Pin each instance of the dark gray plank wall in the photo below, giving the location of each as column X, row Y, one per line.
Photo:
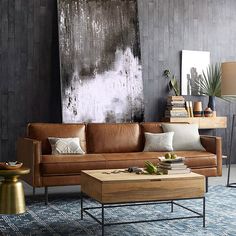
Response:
column 29, row 71
column 27, row 74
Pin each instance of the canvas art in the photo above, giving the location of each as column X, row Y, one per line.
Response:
column 193, row 65
column 100, row 61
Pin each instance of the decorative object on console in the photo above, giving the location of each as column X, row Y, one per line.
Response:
column 208, row 112
column 100, row 58
column 189, row 107
column 176, row 107
column 186, row 136
column 228, row 88
column 194, row 63
column 10, row 165
column 65, row 146
column 210, row 85
column 197, row 109
column 158, row 142
column 173, row 83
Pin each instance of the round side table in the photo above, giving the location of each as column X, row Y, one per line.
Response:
column 12, row 198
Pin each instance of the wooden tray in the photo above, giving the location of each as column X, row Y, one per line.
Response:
column 5, row 166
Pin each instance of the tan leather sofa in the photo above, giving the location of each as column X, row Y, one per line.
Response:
column 106, row 146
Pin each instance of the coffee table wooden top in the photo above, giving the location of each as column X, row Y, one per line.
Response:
column 106, row 186
column 114, row 175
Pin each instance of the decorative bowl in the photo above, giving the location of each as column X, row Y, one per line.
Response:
column 10, row 165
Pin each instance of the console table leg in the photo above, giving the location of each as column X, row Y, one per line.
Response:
column 81, row 205
column 204, row 212
column 102, row 220
column 34, row 191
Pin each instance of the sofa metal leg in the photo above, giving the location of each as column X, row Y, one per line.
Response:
column 206, row 178
column 33, row 191
column 46, row 195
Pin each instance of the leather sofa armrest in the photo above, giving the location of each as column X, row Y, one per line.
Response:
column 29, row 152
column 213, row 144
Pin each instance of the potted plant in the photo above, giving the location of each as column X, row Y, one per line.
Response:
column 210, row 84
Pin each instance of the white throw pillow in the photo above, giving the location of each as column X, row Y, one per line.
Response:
column 186, row 136
column 158, row 142
column 65, row 146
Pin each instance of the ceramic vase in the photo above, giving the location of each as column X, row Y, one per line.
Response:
column 197, row 109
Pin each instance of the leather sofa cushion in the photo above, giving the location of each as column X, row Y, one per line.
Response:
column 151, row 127
column 125, row 160
column 73, row 164
column 193, row 159
column 198, row 159
column 70, row 164
column 113, row 138
column 41, row 132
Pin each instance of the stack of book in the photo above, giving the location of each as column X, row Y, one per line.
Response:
column 176, row 107
column 173, row 166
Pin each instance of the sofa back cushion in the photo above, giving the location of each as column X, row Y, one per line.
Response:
column 113, row 138
column 41, row 132
column 151, row 127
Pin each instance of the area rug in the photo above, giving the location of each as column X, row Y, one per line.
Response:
column 62, row 217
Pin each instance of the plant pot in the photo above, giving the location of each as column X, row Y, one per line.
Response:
column 212, row 103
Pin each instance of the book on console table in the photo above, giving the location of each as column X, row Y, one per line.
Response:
column 175, row 98
column 169, row 114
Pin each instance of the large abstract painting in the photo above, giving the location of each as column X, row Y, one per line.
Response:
column 194, row 63
column 101, row 73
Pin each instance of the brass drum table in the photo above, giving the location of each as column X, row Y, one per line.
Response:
column 12, row 198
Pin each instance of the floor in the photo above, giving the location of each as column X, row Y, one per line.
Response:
column 72, row 189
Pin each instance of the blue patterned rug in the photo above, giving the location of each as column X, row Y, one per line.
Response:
column 62, row 217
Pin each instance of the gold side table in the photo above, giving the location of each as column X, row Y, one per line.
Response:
column 12, row 198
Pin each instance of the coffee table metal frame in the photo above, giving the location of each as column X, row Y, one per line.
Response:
column 140, row 203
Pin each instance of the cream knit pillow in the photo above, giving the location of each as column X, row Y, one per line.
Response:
column 186, row 136
column 158, row 142
column 65, row 146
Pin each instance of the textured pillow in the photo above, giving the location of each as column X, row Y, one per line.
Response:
column 186, row 136
column 65, row 145
column 158, row 142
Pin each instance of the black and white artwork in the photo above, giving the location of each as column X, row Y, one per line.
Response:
column 100, row 61
column 193, row 65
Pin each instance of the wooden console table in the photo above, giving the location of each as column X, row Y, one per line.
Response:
column 203, row 122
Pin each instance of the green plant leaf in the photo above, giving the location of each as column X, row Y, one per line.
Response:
column 210, row 83
column 174, row 85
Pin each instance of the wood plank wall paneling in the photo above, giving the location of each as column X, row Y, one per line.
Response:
column 29, row 57
column 28, row 67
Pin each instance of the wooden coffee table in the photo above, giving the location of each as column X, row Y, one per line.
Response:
column 117, row 188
